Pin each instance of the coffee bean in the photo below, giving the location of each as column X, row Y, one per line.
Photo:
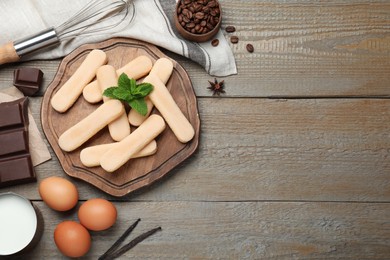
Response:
column 189, row 15
column 230, row 29
column 234, row 39
column 212, row 4
column 190, row 25
column 185, row 19
column 215, row 42
column 205, row 9
column 197, row 7
column 250, row 48
column 209, row 26
column 199, row 15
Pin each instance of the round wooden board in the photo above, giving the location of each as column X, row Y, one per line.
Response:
column 136, row 173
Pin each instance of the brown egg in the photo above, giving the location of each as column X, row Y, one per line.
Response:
column 97, row 214
column 72, row 239
column 58, row 193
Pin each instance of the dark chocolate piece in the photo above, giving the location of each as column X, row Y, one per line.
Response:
column 16, row 170
column 28, row 80
column 14, row 113
column 15, row 159
column 13, row 142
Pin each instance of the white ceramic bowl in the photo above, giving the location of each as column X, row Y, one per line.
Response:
column 20, row 224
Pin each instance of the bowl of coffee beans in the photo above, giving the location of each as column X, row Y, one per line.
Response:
column 198, row 20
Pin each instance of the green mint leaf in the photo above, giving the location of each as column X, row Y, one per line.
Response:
column 122, row 94
column 129, row 91
column 139, row 105
column 109, row 92
column 123, row 81
column 132, row 86
column 145, row 88
column 142, row 90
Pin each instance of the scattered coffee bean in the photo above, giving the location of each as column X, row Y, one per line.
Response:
column 249, row 48
column 234, row 39
column 198, row 17
column 230, row 29
column 215, row 42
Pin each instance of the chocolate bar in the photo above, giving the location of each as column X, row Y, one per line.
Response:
column 16, row 170
column 28, row 80
column 13, row 114
column 15, row 159
column 13, row 142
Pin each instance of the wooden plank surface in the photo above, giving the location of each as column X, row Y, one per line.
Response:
column 308, row 48
column 241, row 230
column 265, row 149
column 293, row 161
column 302, row 48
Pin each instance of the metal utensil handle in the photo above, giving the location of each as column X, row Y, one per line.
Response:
column 12, row 52
column 37, row 41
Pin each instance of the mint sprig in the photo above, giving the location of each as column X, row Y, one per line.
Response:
column 130, row 92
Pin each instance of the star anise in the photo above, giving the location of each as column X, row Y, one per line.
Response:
column 217, row 87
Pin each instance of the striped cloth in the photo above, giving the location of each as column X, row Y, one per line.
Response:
column 149, row 20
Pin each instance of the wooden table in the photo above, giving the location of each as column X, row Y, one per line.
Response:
column 293, row 161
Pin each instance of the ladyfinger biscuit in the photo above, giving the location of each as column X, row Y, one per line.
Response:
column 90, row 156
column 81, row 132
column 162, row 68
column 135, row 118
column 106, row 77
column 168, row 108
column 73, row 87
column 117, row 156
column 135, row 69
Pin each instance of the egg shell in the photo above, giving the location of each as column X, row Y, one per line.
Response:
column 97, row 214
column 72, row 239
column 58, row 193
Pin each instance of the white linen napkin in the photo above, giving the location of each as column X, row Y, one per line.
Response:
column 152, row 22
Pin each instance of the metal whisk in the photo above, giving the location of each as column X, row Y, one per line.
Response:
column 95, row 17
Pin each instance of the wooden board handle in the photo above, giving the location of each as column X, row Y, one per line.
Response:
column 8, row 53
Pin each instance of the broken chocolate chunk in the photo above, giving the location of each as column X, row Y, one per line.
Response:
column 28, row 80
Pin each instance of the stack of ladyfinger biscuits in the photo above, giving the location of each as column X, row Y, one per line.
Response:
column 111, row 113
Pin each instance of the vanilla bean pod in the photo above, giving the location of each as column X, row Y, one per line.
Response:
column 120, row 240
column 133, row 243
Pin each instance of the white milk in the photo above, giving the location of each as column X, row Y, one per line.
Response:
column 18, row 223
